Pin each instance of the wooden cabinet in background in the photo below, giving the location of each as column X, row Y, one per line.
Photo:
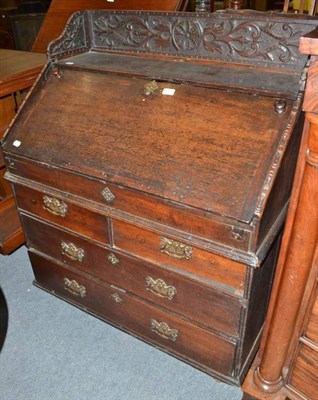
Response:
column 60, row 11
column 18, row 72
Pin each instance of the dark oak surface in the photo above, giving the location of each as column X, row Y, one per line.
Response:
column 179, row 173
column 261, row 81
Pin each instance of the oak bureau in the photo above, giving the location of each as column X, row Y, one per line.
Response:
column 152, row 165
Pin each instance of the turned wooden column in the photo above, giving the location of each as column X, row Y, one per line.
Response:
column 204, row 5
column 300, row 247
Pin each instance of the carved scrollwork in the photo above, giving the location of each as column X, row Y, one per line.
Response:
column 72, row 39
column 208, row 37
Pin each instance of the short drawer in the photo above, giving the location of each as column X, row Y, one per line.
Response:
column 191, row 343
column 200, row 303
column 63, row 213
column 167, row 251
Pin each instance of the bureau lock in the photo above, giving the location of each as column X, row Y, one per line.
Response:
column 151, row 88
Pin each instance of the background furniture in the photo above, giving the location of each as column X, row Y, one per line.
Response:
column 287, row 363
column 18, row 72
column 60, row 11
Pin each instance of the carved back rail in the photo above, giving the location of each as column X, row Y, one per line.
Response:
column 243, row 37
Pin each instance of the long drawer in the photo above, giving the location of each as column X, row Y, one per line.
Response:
column 189, row 342
column 206, row 305
column 62, row 212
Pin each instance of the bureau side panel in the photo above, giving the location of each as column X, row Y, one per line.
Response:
column 281, row 189
column 259, row 293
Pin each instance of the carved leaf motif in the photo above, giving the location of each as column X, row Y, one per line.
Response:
column 73, row 38
column 268, row 39
column 161, row 33
column 115, row 31
column 213, row 37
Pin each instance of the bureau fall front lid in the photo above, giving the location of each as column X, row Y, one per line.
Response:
column 202, row 147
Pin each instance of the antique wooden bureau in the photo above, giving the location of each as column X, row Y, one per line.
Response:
column 152, row 165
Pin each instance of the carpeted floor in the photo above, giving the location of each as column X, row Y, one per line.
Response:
column 53, row 351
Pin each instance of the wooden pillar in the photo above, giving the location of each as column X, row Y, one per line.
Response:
column 297, row 267
column 203, row 5
column 266, row 379
column 235, row 4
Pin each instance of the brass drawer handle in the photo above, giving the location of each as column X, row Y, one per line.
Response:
column 55, row 206
column 73, row 287
column 116, row 298
column 108, row 196
column 162, row 329
column 72, row 252
column 175, row 249
column 160, row 288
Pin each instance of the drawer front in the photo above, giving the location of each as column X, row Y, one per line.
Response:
column 304, row 374
column 179, row 337
column 168, row 251
column 63, row 213
column 195, row 301
column 190, row 220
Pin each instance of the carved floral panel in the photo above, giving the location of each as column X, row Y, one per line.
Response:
column 228, row 39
